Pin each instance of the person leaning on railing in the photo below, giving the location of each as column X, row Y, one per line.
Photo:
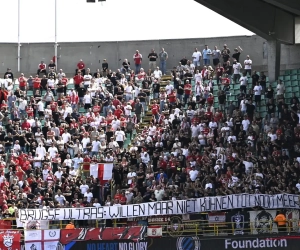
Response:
column 280, row 220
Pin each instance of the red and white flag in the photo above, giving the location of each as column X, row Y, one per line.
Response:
column 102, row 171
column 41, row 239
column 154, row 231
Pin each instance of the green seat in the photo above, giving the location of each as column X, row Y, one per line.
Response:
column 298, row 70
column 281, row 78
column 294, row 72
column 298, row 76
column 70, row 86
column 288, row 84
column 232, row 98
column 81, row 110
column 236, row 86
column 29, row 93
column 288, row 95
column 274, row 84
column 287, row 72
column 249, row 80
column 288, row 89
column 295, row 89
column 294, row 77
column 287, row 78
column 295, row 83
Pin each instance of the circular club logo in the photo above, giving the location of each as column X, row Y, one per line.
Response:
column 188, row 243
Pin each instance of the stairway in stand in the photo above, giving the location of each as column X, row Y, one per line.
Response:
column 146, row 119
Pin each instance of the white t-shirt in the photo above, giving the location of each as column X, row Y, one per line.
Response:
column 243, row 80
column 193, row 174
column 130, row 174
column 89, row 196
column 52, row 151
column 66, row 137
column 85, row 141
column 128, row 109
column 87, row 79
column 119, row 135
column 196, row 55
column 96, row 145
column 236, row 68
column 87, row 99
column 245, row 124
column 128, row 90
column 84, row 188
column 257, row 90
column 248, row 63
column 169, row 89
column 157, row 73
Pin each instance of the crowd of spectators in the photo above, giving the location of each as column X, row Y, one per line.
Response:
column 190, row 149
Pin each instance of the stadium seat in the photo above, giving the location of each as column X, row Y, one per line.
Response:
column 274, row 84
column 294, row 77
column 288, row 89
column 288, row 84
column 294, row 72
column 281, row 78
column 295, row 89
column 287, row 72
column 29, row 93
column 287, row 77
column 288, row 95
column 295, row 83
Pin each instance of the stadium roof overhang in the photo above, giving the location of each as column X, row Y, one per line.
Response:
column 270, row 19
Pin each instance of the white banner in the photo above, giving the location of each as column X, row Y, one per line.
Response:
column 205, row 204
column 154, row 231
column 263, row 221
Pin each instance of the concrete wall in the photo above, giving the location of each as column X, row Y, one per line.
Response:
column 93, row 53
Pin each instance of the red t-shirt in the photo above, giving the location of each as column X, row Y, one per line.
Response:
column 155, row 109
column 172, row 97
column 137, row 58
column 64, row 81
column 80, row 65
column 118, row 113
column 22, row 81
column 78, row 79
column 187, row 89
column 37, row 83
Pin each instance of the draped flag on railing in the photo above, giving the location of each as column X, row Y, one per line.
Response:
column 41, row 239
column 263, row 221
column 154, row 231
column 10, row 240
column 102, row 171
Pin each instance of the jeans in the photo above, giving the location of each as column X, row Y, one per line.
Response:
column 128, row 97
column 206, row 62
column 22, row 112
column 179, row 97
column 144, row 106
column 163, row 66
column 196, row 63
column 105, row 110
column 137, row 68
column 186, row 97
column 161, row 106
column 155, row 95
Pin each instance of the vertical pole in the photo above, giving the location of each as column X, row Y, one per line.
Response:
column 19, row 44
column 55, row 45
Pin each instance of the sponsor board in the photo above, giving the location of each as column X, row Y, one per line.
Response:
column 269, row 242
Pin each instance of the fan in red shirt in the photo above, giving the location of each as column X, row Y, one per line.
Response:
column 225, row 80
column 219, row 72
column 109, row 117
column 53, row 106
column 22, row 82
column 36, row 83
column 80, row 67
column 155, row 110
column 86, row 162
column 78, row 79
column 42, row 68
column 116, row 102
column 25, row 124
column 64, row 81
column 96, row 108
column 172, row 97
column 210, row 99
column 118, row 112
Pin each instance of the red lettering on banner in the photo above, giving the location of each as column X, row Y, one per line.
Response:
column 116, row 233
column 10, row 240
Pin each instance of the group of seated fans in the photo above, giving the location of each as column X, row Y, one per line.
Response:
column 191, row 148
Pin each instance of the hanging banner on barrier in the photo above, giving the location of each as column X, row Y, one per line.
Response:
column 205, row 204
column 133, row 234
column 10, row 240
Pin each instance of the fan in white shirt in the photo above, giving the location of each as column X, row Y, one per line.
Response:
column 66, row 137
column 84, row 187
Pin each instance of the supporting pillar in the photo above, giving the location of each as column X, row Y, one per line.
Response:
column 274, row 51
